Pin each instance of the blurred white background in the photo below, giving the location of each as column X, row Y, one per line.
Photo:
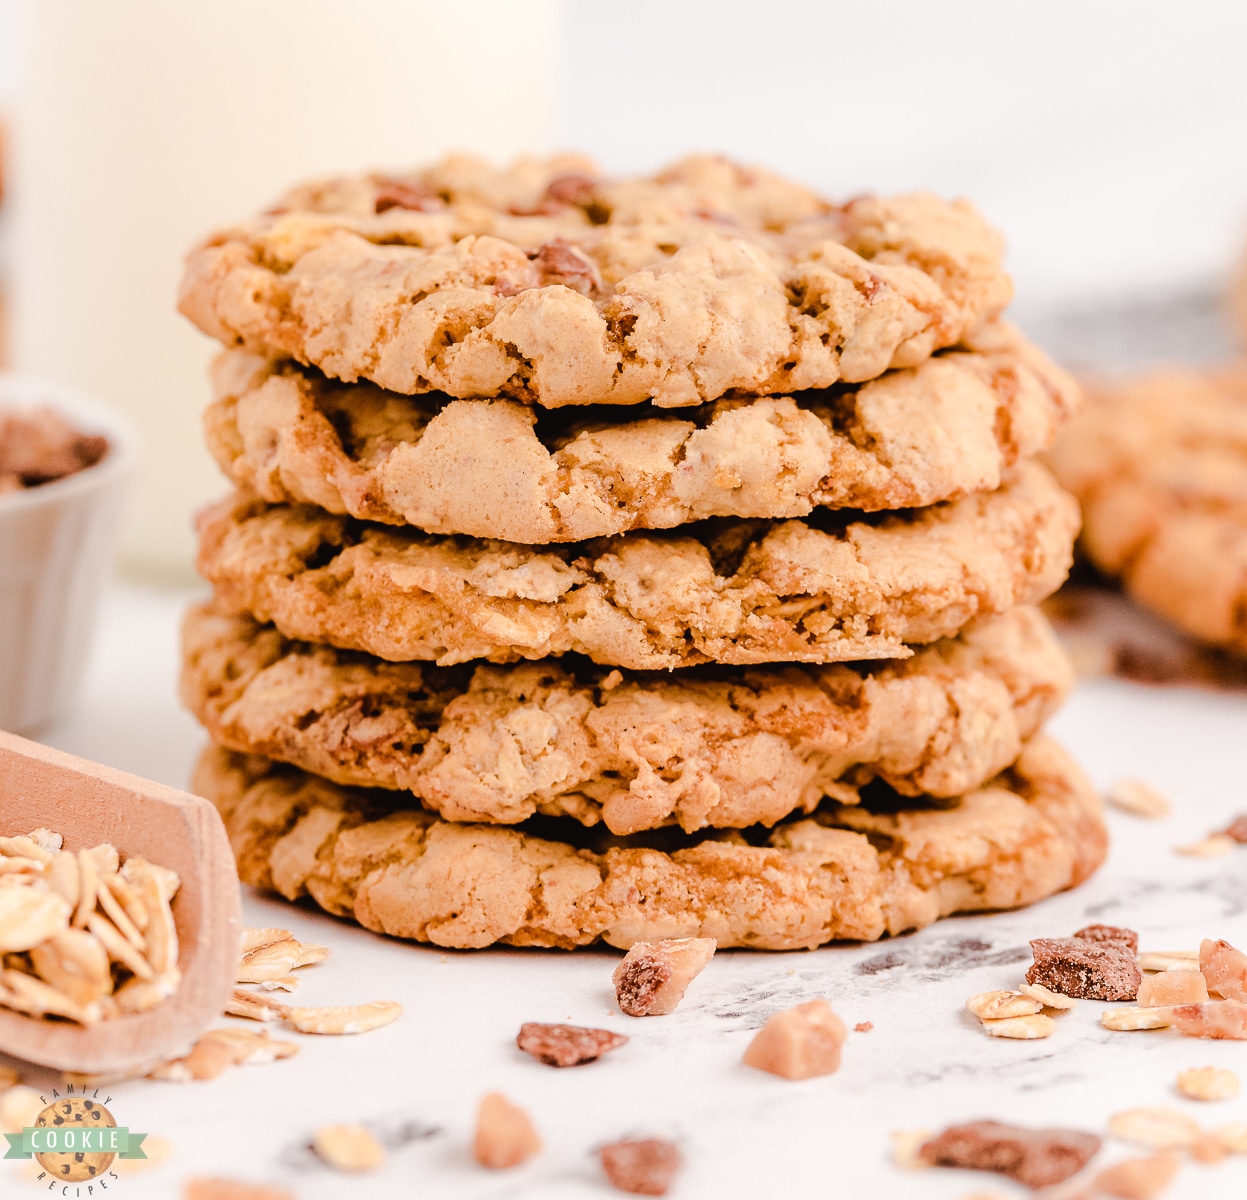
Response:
column 1107, row 139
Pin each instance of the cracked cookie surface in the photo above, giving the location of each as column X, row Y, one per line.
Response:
column 493, row 469
column 717, row 747
column 550, row 285
column 845, row 873
column 1159, row 465
column 730, row 591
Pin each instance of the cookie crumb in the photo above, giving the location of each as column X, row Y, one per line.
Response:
column 1084, row 969
column 653, row 976
column 799, row 1043
column 505, row 1136
column 1138, row 1178
column 566, row 1045
column 348, row 1147
column 1172, row 987
column 1224, row 969
column 1208, row 1083
column 1139, row 799
column 1033, row 1157
column 1154, row 1128
column 642, row 1167
column 864, row 1026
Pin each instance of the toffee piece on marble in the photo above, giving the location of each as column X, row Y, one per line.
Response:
column 1034, row 1158
column 1084, row 969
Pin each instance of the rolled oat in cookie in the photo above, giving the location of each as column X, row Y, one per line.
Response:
column 566, row 1045
column 1083, row 969
column 848, row 872
column 1035, row 1158
column 501, row 469
column 655, row 290
column 720, row 747
column 653, row 976
column 641, row 1166
column 726, row 590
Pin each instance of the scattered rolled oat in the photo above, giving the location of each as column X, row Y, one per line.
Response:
column 1172, row 987
column 255, row 1006
column 1155, row 1128
column 1084, row 969
column 219, row 1049
column 1222, row 1019
column 1132, row 1018
column 1047, row 997
column 1138, row 1178
column 1216, row 845
column 799, row 1043
column 566, row 1045
column 989, row 1006
column 644, row 1167
column 653, row 976
column 1139, row 798
column 228, row 1189
column 348, row 1147
column 864, row 1026
column 1233, row 1137
column 84, row 936
column 1208, row 1083
column 1169, row 960
column 1224, row 969
column 1237, row 829
column 353, row 1018
column 1110, row 935
column 1027, row 1028
column 1033, row 1157
column 906, row 1144
column 505, row 1136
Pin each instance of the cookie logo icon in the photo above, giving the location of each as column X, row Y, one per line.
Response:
column 73, row 1118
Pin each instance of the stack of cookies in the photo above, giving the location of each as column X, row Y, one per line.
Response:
column 630, row 559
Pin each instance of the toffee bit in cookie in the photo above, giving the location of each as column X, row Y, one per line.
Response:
column 1237, row 829
column 1224, row 969
column 1220, row 1019
column 1033, row 1157
column 1172, row 987
column 1137, row 1178
column 1110, row 935
column 799, row 1043
column 653, row 976
column 1085, row 970
column 1138, row 798
column 401, row 193
column 644, row 1167
column 505, row 1136
column 566, row 1045
column 1208, row 1083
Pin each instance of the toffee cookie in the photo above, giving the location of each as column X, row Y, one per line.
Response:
column 1159, row 465
column 732, row 591
column 500, row 469
column 724, row 747
column 705, row 280
column 846, row 872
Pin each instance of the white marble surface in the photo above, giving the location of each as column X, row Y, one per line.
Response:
column 924, row 1065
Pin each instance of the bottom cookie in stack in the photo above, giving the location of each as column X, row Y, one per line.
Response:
column 885, row 865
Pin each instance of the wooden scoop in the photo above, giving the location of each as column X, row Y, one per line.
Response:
column 88, row 804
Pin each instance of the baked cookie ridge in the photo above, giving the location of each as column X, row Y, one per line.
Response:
column 1034, row 830
column 501, row 469
column 703, row 747
column 731, row 591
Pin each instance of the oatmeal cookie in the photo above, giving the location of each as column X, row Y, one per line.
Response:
column 499, row 469
column 727, row 591
column 711, row 746
column 565, row 289
column 845, row 873
column 1159, row 465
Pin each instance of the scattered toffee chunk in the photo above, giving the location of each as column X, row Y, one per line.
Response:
column 1110, row 935
column 645, row 1167
column 1034, row 1158
column 1237, row 829
column 1083, row 969
column 566, row 1045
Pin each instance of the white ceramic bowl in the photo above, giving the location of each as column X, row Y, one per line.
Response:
column 56, row 553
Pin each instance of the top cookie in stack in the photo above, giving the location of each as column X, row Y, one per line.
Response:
column 704, row 421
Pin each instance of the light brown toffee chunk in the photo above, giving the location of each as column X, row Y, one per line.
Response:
column 642, row 1167
column 505, row 1136
column 909, row 439
column 1159, row 465
column 846, row 874
column 653, row 976
column 678, row 289
column 723, row 747
column 799, row 1043
column 725, row 591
